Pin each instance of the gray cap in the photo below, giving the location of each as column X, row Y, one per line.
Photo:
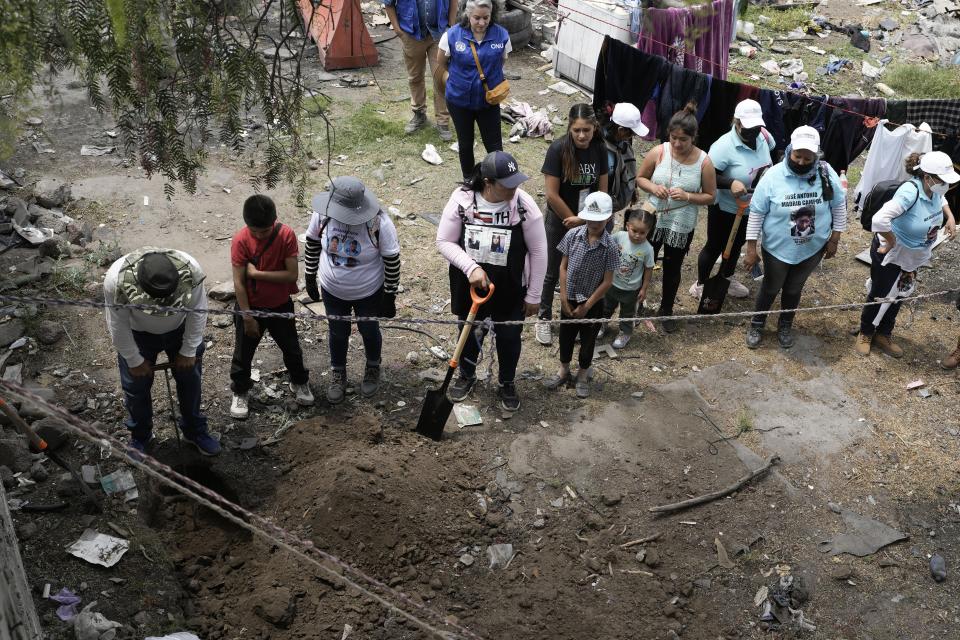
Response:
column 348, row 201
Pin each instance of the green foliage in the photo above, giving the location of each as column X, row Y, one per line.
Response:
column 177, row 76
column 781, row 21
column 923, row 81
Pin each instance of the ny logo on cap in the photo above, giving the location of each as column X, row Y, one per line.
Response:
column 511, row 167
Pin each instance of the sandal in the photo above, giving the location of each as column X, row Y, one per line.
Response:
column 556, row 381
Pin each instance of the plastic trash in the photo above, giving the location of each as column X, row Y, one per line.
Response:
column 179, row 635
column 98, row 548
column 118, row 481
column 89, row 625
column 499, row 555
column 68, row 602
column 430, row 155
column 938, row 567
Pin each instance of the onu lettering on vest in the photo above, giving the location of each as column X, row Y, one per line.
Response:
column 497, row 45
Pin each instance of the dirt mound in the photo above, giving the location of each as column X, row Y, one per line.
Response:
column 420, row 517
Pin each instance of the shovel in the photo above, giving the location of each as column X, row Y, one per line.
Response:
column 165, row 367
column 38, row 444
column 437, row 406
column 715, row 288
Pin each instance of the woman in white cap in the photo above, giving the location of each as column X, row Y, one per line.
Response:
column 801, row 209
column 353, row 247
column 622, row 163
column 905, row 228
column 739, row 156
column 491, row 231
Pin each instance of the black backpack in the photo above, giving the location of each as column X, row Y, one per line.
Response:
column 881, row 193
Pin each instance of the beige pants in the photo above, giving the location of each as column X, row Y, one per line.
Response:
column 416, row 53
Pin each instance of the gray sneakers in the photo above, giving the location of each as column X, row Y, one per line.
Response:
column 417, row 122
column 337, row 389
column 371, row 380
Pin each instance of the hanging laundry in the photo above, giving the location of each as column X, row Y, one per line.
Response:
column 682, row 86
column 772, row 102
column 942, row 115
column 619, row 60
column 696, row 38
column 886, row 154
column 848, row 134
column 724, row 96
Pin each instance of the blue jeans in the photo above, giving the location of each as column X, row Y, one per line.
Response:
column 137, row 390
column 368, row 307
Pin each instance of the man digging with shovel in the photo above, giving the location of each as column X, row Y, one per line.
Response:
column 166, row 278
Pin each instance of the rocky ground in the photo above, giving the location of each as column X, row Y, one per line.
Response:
column 566, row 483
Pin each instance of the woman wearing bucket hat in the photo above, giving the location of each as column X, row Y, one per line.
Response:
column 622, row 163
column 905, row 228
column 353, row 247
column 505, row 245
column 801, row 208
column 739, row 157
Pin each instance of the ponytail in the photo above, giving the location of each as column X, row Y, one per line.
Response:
column 912, row 165
column 685, row 120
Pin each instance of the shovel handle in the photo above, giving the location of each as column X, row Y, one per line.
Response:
column 741, row 207
column 37, row 443
column 475, row 301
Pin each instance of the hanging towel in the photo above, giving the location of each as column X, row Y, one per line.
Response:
column 696, row 38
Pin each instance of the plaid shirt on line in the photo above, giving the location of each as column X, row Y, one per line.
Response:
column 586, row 265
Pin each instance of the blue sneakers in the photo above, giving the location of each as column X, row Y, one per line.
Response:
column 204, row 442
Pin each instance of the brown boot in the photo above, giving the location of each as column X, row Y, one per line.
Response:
column 887, row 345
column 952, row 360
column 863, row 344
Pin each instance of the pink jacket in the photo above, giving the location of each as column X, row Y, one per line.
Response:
column 534, row 235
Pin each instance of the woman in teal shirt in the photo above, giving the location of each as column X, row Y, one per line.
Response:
column 801, row 209
column 905, row 229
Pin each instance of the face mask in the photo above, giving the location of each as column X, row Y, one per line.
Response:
column 940, row 189
column 797, row 168
column 749, row 136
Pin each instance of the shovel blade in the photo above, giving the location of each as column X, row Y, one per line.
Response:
column 714, row 293
column 433, row 416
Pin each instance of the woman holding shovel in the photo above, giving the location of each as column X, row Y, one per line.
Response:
column 508, row 247
column 739, row 157
column 905, row 229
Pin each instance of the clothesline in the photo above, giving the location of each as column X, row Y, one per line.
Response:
column 823, row 101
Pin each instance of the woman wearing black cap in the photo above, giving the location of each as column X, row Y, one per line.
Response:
column 353, row 247
column 507, row 247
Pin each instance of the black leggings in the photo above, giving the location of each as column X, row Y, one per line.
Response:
column 672, row 265
column 790, row 278
column 882, row 279
column 719, row 225
column 587, row 332
column 489, row 122
column 555, row 233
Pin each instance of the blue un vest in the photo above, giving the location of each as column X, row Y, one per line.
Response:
column 464, row 88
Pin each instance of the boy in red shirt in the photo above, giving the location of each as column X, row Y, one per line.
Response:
column 264, row 258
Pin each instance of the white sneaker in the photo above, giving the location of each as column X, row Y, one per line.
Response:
column 737, row 289
column 238, row 407
column 696, row 290
column 544, row 333
column 621, row 341
column 303, row 393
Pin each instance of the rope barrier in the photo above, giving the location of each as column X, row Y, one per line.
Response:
column 822, row 101
column 256, row 524
column 293, row 315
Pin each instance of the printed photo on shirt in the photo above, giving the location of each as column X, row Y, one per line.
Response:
column 353, row 248
column 802, row 222
column 342, row 249
column 932, row 234
column 487, row 246
column 473, row 240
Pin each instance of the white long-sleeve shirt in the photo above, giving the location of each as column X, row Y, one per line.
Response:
column 121, row 323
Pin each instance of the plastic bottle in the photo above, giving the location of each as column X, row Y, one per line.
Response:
column 843, row 180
